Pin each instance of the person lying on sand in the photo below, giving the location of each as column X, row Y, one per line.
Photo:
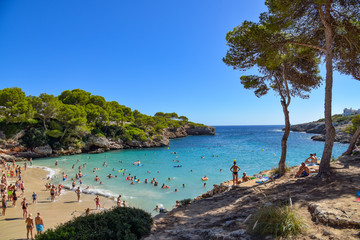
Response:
column 303, row 171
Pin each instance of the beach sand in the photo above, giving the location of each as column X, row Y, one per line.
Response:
column 64, row 208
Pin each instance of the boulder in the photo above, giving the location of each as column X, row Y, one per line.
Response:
column 335, row 214
column 116, row 145
column 29, row 154
column 7, row 158
column 98, row 142
column 45, row 150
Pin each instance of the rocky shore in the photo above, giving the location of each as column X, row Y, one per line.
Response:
column 319, row 129
column 11, row 149
column 328, row 207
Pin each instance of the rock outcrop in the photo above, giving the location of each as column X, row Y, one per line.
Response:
column 45, row 150
column 319, row 128
column 11, row 148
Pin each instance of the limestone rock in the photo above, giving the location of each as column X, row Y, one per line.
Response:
column 97, row 142
column 45, row 150
column 334, row 215
column 201, row 130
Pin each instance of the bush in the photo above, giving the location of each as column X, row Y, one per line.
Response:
column 185, row 201
column 34, row 137
column 275, row 170
column 117, row 223
column 279, row 221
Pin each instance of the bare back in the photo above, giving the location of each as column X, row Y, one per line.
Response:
column 39, row 220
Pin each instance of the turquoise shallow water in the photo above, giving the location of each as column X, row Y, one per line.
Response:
column 256, row 148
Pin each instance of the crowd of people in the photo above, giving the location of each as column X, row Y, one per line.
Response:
column 13, row 188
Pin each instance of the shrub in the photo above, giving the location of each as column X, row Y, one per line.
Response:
column 275, row 170
column 34, row 137
column 117, row 223
column 279, row 221
column 185, row 201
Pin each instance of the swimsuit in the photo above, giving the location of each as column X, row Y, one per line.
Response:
column 28, row 226
column 304, row 174
column 235, row 173
column 39, row 227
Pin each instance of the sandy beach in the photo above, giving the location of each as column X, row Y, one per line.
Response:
column 64, row 208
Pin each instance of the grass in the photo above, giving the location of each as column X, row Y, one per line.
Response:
column 278, row 221
column 275, row 170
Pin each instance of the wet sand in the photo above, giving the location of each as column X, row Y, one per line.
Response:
column 64, row 208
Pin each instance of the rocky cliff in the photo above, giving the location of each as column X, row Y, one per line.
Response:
column 12, row 150
column 319, row 128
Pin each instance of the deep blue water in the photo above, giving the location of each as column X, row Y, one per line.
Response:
column 255, row 148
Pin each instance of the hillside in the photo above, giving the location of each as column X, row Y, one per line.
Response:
column 77, row 121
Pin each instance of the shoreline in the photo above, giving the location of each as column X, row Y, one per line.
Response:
column 64, row 208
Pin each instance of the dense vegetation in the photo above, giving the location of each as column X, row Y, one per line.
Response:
column 68, row 119
column 118, row 223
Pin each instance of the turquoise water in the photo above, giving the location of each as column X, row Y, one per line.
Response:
column 255, row 148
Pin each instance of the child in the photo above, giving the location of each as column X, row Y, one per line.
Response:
column 34, row 197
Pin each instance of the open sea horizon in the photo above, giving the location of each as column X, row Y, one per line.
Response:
column 255, row 148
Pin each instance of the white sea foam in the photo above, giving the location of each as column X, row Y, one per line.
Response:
column 51, row 171
column 276, row 130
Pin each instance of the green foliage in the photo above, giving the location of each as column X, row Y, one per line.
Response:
column 117, row 223
column 34, row 137
column 46, row 107
column 14, row 105
column 275, row 170
column 10, row 129
column 75, row 97
column 185, row 201
column 67, row 119
column 134, row 133
column 54, row 133
column 278, row 221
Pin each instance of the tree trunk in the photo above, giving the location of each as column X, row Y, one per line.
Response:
column 353, row 142
column 44, row 122
column 284, row 139
column 324, row 168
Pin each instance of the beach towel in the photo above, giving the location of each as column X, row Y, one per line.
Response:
column 263, row 180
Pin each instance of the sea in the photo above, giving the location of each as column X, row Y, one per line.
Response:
column 183, row 163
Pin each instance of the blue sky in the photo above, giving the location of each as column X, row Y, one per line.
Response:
column 149, row 55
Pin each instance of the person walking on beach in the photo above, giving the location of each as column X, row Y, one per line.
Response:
column 34, row 197
column 3, row 204
column 97, row 202
column 235, row 169
column 24, row 206
column 15, row 197
column 78, row 191
column 52, row 193
column 39, row 222
column 29, row 226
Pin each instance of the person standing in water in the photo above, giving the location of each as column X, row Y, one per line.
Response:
column 235, row 169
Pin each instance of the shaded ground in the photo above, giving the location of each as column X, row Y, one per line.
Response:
column 328, row 206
